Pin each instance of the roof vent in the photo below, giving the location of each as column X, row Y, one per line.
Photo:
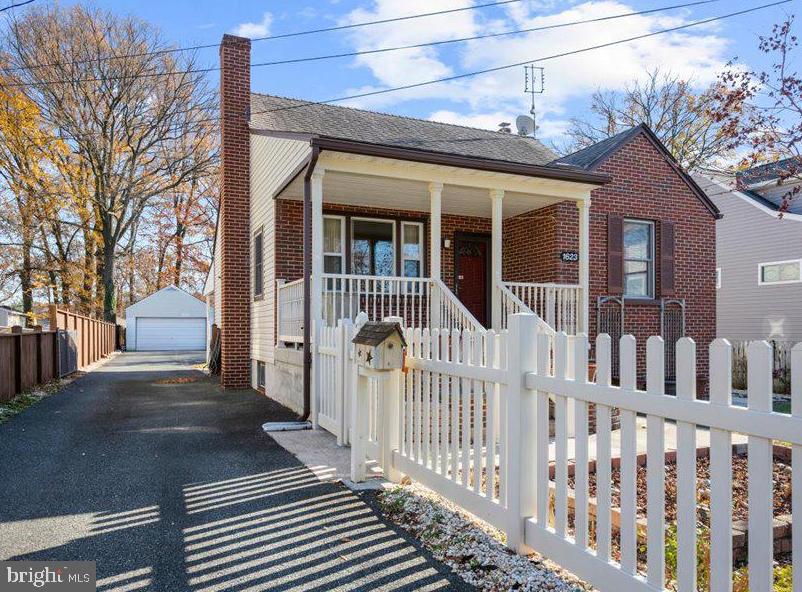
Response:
column 504, row 127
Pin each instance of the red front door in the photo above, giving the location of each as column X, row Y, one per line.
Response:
column 472, row 273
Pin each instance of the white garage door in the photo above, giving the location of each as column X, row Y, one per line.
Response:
column 170, row 333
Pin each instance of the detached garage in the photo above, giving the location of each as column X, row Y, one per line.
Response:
column 168, row 320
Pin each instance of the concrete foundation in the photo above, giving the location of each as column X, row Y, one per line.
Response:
column 284, row 378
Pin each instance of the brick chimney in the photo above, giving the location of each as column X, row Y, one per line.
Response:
column 235, row 202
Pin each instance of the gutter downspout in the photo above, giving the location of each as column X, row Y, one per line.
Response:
column 308, row 283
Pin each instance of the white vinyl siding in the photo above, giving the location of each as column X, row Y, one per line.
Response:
column 747, row 236
column 273, row 160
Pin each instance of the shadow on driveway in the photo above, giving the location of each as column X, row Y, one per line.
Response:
column 148, row 468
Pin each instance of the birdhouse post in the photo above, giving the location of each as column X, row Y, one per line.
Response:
column 379, row 356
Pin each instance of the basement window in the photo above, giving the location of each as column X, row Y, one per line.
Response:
column 260, row 375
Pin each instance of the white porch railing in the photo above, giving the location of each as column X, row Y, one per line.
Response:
column 511, row 304
column 473, row 424
column 420, row 302
column 290, row 312
column 557, row 304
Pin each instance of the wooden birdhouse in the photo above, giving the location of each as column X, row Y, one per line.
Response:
column 379, row 345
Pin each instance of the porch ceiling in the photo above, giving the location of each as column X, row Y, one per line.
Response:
column 405, row 195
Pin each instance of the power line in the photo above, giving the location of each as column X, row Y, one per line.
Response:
column 383, row 21
column 10, row 6
column 518, row 64
column 266, row 38
column 371, row 51
column 485, row 36
column 303, row 104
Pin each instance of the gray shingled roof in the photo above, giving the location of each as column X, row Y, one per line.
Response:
column 589, row 157
column 393, row 130
column 770, row 171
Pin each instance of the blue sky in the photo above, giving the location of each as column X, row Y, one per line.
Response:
column 482, row 101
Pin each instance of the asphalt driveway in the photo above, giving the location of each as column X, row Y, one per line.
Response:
column 167, row 482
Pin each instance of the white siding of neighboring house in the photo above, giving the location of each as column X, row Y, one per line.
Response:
column 746, row 236
column 273, row 160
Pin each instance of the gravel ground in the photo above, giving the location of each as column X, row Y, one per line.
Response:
column 473, row 549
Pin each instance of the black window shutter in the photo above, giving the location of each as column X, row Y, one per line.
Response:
column 615, row 254
column 667, row 259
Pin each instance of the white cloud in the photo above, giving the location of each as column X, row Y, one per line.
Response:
column 260, row 29
column 481, row 120
column 694, row 53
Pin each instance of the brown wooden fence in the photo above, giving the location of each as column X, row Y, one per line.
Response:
column 26, row 359
column 94, row 338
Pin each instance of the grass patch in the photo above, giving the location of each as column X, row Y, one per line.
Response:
column 21, row 402
column 782, row 406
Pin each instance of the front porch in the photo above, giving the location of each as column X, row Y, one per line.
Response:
column 439, row 246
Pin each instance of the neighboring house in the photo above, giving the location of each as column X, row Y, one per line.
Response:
column 759, row 254
column 168, row 320
column 10, row 317
column 327, row 211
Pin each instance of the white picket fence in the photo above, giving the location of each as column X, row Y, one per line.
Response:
column 451, row 416
column 473, row 425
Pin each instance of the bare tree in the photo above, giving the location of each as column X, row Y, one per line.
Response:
column 119, row 116
column 762, row 110
column 669, row 106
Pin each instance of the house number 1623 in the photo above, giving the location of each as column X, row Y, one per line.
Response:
column 569, row 256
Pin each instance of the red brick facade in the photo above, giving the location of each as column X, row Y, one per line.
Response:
column 233, row 224
column 644, row 186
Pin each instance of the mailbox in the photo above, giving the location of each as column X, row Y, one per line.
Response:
column 379, row 345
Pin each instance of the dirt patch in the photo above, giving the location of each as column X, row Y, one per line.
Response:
column 178, row 380
column 740, row 497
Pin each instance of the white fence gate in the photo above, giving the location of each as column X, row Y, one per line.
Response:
column 473, row 415
column 333, row 378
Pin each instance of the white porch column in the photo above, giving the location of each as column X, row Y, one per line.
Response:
column 317, row 245
column 584, row 264
column 435, row 245
column 497, row 200
column 316, row 300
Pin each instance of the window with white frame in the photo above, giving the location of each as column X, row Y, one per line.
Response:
column 412, row 249
column 372, row 247
column 333, row 244
column 638, row 259
column 780, row 272
column 718, row 278
column 258, row 264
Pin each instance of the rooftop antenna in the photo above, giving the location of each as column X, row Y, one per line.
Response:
column 534, row 84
